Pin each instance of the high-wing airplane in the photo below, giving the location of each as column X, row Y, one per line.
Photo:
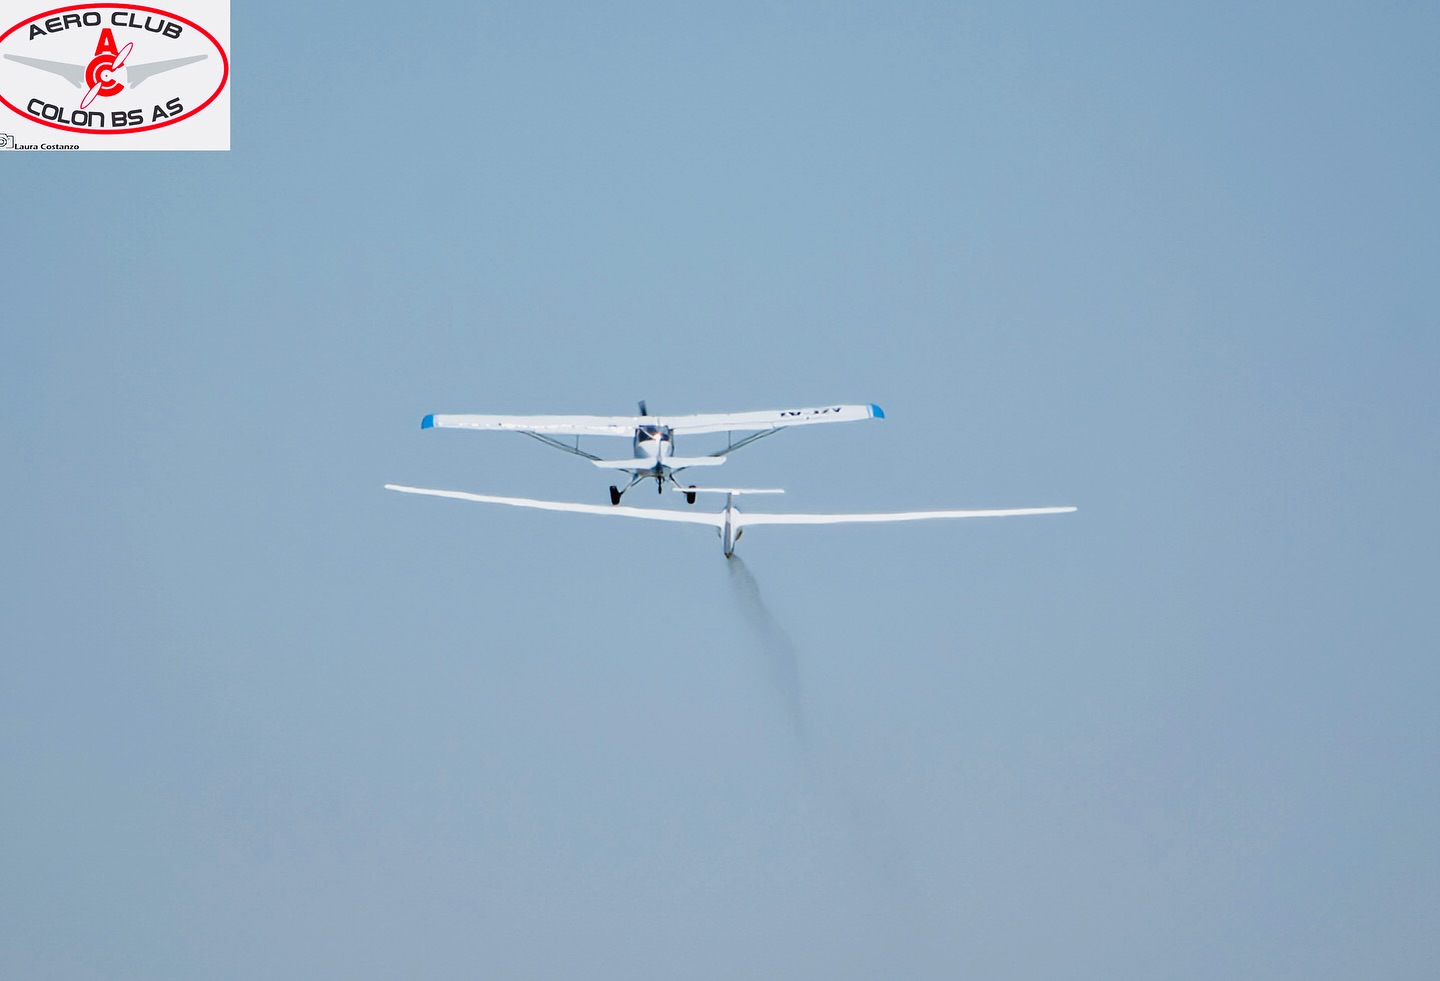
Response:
column 653, row 437
column 731, row 522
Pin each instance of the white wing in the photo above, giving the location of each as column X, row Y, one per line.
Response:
column 719, row 422
column 722, row 422
column 687, row 517
column 549, row 425
column 745, row 518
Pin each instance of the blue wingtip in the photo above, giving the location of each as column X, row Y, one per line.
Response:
column 876, row 412
column 428, row 422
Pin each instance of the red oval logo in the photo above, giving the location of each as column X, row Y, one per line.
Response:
column 110, row 68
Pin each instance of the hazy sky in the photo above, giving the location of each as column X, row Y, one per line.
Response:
column 261, row 718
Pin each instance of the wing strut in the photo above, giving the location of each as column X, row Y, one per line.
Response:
column 552, row 441
column 730, row 438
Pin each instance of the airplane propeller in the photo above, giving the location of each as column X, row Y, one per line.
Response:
column 107, row 75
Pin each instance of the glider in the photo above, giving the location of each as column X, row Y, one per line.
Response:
column 653, row 437
column 730, row 523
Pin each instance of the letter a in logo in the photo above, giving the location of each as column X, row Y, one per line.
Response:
column 100, row 73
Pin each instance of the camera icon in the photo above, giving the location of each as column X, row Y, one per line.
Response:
column 6, row 140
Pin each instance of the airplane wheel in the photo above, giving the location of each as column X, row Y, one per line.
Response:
column 690, row 495
column 614, row 494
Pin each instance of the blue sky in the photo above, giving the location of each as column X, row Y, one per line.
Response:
column 261, row 718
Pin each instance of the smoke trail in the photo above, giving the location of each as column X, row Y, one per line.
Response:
column 878, row 857
column 775, row 643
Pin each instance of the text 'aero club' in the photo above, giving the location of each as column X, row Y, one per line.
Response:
column 654, row 457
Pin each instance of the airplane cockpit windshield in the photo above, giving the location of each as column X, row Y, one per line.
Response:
column 648, row 433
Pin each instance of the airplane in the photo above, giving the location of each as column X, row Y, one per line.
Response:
column 731, row 522
column 653, row 437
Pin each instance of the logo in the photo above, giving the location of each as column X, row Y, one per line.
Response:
column 112, row 69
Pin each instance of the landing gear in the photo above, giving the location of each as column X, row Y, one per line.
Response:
column 690, row 495
column 618, row 492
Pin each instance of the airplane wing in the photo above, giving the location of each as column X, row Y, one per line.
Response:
column 74, row 74
column 744, row 518
column 548, row 425
column 721, row 422
column 135, row 74
column 717, row 519
column 653, row 514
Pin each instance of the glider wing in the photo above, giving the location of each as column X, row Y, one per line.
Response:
column 744, row 518
column 653, row 514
